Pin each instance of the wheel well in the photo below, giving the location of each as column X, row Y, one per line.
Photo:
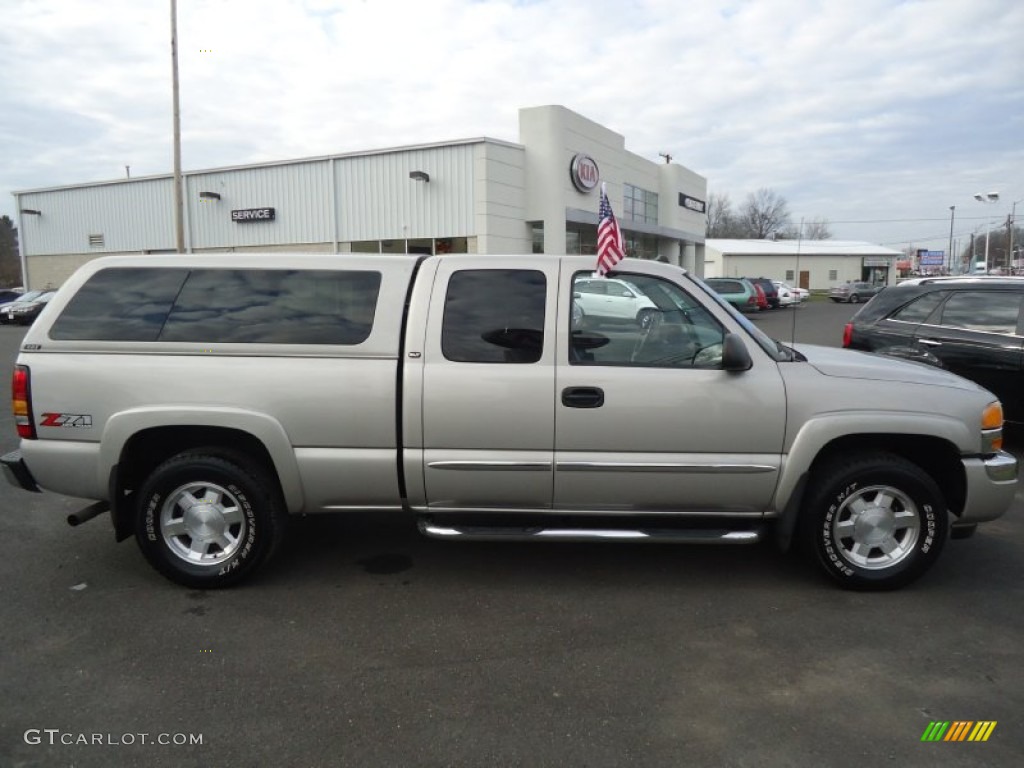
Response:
column 148, row 449
column 937, row 457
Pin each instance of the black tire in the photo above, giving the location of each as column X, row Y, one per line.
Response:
column 902, row 510
column 854, row 298
column 241, row 523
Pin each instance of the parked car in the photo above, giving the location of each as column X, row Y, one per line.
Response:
column 738, row 291
column 972, row 326
column 601, row 300
column 854, row 292
column 786, row 297
column 795, row 295
column 762, row 299
column 26, row 309
column 770, row 291
column 7, row 295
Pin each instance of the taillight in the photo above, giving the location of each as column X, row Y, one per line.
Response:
column 21, row 403
column 847, row 334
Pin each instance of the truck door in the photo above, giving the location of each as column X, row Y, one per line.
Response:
column 648, row 421
column 487, row 385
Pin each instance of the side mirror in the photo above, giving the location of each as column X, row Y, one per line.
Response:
column 577, row 295
column 735, row 357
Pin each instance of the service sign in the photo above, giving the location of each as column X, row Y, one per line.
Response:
column 692, row 203
column 584, row 172
column 244, row 215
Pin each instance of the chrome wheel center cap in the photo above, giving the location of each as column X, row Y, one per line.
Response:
column 874, row 526
column 204, row 521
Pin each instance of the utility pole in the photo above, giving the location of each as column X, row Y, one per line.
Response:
column 952, row 213
column 179, row 227
column 1011, row 224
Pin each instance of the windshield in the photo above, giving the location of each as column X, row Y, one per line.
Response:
column 30, row 296
column 774, row 348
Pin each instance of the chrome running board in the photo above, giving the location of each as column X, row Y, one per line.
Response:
column 477, row 532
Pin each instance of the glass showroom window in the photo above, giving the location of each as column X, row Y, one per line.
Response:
column 581, row 239
column 639, row 204
column 640, row 246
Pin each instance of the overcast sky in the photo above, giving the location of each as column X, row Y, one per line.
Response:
column 885, row 112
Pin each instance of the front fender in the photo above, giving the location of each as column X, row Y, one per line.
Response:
column 819, row 432
column 122, row 426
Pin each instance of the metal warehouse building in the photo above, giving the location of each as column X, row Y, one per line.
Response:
column 473, row 195
column 812, row 264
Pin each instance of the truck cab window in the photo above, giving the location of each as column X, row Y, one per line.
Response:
column 494, row 316
column 643, row 321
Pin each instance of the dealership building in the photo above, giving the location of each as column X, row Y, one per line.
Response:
column 813, row 264
column 480, row 195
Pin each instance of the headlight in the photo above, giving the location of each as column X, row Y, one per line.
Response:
column 992, row 428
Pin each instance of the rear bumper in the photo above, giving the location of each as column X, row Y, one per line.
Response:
column 991, row 486
column 17, row 472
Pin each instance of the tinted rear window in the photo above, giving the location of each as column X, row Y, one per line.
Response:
column 920, row 309
column 726, row 286
column 273, row 306
column 494, row 316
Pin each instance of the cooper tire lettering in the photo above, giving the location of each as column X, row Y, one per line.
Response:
column 209, row 517
column 873, row 521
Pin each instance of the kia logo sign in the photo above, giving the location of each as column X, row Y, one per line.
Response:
column 583, row 172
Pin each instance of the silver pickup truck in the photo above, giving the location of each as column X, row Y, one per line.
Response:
column 204, row 399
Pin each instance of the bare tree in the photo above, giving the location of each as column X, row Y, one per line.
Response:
column 817, row 229
column 764, row 213
column 721, row 221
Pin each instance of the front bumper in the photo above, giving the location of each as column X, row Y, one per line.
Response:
column 991, row 486
column 17, row 472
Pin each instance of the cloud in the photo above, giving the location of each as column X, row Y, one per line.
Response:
column 876, row 109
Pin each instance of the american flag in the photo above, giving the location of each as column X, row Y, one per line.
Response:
column 609, row 238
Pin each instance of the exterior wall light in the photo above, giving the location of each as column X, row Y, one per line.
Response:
column 419, row 175
column 31, row 211
column 210, row 195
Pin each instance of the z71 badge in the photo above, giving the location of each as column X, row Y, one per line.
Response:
column 66, row 420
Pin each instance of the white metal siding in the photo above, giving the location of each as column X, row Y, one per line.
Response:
column 134, row 215
column 299, row 193
column 378, row 201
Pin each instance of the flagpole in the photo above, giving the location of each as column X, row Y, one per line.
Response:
column 179, row 228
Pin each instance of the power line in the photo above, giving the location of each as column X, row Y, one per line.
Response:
column 905, row 221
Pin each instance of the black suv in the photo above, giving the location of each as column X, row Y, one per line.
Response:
column 771, row 293
column 972, row 326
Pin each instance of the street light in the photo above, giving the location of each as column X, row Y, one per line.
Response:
column 991, row 197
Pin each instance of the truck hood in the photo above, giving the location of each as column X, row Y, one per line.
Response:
column 850, row 364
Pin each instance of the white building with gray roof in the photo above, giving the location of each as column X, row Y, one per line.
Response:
column 814, row 264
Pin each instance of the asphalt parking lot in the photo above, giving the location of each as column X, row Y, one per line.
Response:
column 367, row 645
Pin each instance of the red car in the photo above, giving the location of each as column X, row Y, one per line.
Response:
column 762, row 297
